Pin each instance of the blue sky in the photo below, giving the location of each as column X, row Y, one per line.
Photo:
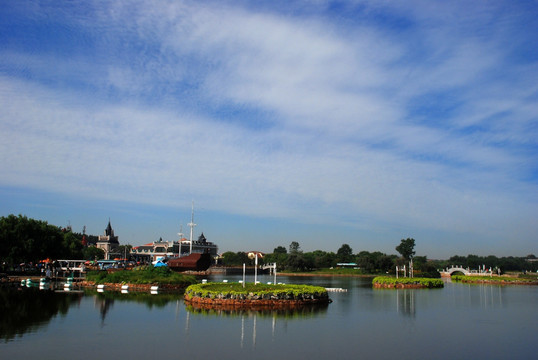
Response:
column 358, row 122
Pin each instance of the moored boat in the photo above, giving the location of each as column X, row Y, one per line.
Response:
column 194, row 261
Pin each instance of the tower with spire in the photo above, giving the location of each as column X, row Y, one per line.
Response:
column 108, row 242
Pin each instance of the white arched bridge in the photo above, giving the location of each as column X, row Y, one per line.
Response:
column 465, row 271
column 453, row 269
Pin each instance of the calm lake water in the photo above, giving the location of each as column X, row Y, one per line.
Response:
column 457, row 322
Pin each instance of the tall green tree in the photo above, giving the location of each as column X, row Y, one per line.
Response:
column 296, row 260
column 344, row 254
column 406, row 248
column 295, row 247
column 280, row 250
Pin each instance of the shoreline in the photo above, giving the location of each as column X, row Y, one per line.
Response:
column 135, row 287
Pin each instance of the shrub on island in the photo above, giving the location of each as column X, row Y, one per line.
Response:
column 391, row 282
column 254, row 295
column 494, row 280
column 149, row 275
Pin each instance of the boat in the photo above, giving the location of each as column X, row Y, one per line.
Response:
column 162, row 250
column 193, row 262
column 198, row 246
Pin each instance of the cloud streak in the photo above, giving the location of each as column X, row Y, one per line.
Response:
column 428, row 124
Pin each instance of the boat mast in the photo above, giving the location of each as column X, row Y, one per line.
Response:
column 191, row 225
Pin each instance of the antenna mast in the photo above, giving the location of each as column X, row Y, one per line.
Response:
column 191, row 225
column 180, row 233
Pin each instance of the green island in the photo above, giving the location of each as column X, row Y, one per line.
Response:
column 145, row 275
column 250, row 295
column 416, row 282
column 503, row 280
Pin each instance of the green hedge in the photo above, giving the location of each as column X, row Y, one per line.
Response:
column 427, row 282
column 259, row 291
column 149, row 275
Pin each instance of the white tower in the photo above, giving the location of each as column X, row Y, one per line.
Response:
column 191, row 225
column 180, row 234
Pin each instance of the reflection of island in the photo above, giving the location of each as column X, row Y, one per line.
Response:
column 304, row 312
column 28, row 309
column 405, row 302
column 484, row 295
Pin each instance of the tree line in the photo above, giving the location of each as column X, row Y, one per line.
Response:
column 24, row 240
column 376, row 262
column 295, row 260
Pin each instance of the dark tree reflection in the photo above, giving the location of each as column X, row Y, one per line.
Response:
column 25, row 310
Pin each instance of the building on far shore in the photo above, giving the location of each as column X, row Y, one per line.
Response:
column 167, row 249
column 108, row 242
column 150, row 252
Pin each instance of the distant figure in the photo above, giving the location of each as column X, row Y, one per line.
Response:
column 48, row 273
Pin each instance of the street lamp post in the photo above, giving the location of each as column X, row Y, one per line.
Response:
column 255, row 256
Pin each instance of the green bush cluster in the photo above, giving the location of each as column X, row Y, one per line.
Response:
column 427, row 282
column 259, row 291
column 503, row 279
column 149, row 275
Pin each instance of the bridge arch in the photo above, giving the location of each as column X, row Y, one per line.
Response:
column 454, row 269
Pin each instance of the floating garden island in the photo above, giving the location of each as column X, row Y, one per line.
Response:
column 237, row 296
column 498, row 280
column 139, row 279
column 387, row 282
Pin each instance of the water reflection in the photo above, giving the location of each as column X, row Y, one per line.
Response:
column 251, row 316
column 405, row 302
column 148, row 299
column 364, row 322
column 26, row 309
column 297, row 312
column 104, row 300
column 479, row 295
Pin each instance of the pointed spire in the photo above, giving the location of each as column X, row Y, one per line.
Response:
column 109, row 231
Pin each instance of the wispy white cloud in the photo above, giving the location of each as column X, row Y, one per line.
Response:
column 352, row 132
